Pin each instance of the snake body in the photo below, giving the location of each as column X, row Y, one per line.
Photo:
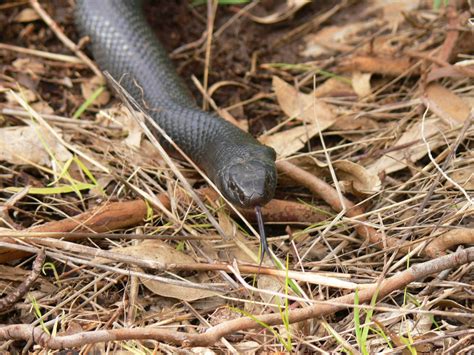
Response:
column 124, row 45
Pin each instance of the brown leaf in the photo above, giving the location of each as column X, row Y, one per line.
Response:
column 464, row 177
column 290, row 141
column 121, row 115
column 26, row 15
column 288, row 9
column 29, row 65
column 350, row 123
column 304, row 107
column 31, row 145
column 398, row 159
column 356, row 178
column 446, row 104
column 335, row 38
column 90, row 86
column 158, row 250
column 42, row 108
column 268, row 283
column 334, row 87
column 241, row 250
column 393, row 10
column 361, row 83
column 373, row 64
column 28, row 95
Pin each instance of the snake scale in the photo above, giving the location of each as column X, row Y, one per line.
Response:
column 123, row 44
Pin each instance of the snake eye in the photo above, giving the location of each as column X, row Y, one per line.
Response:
column 236, row 190
column 232, row 185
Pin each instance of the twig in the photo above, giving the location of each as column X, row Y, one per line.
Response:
column 22, row 289
column 327, row 193
column 64, row 39
column 212, row 335
column 448, row 240
column 77, row 249
column 452, row 33
column 446, row 162
column 118, row 215
column 41, row 54
column 211, row 16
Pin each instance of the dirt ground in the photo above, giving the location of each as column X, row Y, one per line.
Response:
column 369, row 106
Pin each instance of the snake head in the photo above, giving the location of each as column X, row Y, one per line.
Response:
column 249, row 178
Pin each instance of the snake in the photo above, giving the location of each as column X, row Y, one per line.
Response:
column 124, row 45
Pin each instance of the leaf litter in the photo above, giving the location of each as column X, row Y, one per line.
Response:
column 374, row 97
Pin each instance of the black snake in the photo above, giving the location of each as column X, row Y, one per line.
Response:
column 124, row 45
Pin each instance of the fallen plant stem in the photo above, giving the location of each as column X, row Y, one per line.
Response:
column 27, row 332
column 448, row 240
column 329, row 194
column 82, row 250
column 10, row 299
column 118, row 215
column 63, row 38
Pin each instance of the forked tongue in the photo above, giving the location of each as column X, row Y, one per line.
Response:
column 263, row 238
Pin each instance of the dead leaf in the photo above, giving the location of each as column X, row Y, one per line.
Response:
column 327, row 41
column 361, row 83
column 353, row 177
column 464, row 177
column 159, row 251
column 290, row 141
column 121, row 116
column 228, row 115
column 446, row 104
column 356, row 179
column 11, row 273
column 247, row 253
column 334, row 87
column 351, row 123
column 269, row 283
column 375, row 64
column 73, row 327
column 30, row 145
column 247, row 347
column 393, row 10
column 389, row 45
column 178, row 292
column 26, row 94
column 281, row 13
column 242, row 124
column 26, row 15
column 398, row 159
column 394, row 337
column 449, row 71
column 201, row 351
column 242, row 250
column 304, row 107
column 42, row 108
column 89, row 87
column 29, row 65
column 335, row 38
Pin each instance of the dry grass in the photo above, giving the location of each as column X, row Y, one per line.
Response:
column 139, row 260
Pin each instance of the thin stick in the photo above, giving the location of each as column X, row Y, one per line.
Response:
column 64, row 39
column 212, row 335
column 42, row 54
column 20, row 291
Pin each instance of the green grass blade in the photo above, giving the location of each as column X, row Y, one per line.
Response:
column 90, row 100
